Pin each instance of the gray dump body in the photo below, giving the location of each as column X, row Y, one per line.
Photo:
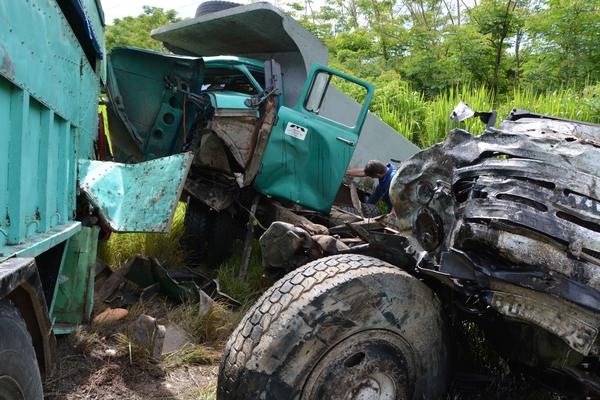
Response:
column 262, row 31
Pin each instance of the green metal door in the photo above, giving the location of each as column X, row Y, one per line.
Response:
column 311, row 144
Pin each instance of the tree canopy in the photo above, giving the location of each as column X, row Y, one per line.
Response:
column 135, row 31
column 426, row 55
column 438, row 44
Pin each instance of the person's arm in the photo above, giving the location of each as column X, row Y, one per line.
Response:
column 377, row 194
column 355, row 172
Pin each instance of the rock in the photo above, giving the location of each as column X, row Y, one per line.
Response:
column 110, row 315
column 175, row 339
column 149, row 334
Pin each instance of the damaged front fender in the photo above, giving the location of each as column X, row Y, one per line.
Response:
column 135, row 197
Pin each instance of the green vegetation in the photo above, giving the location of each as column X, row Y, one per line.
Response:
column 426, row 121
column 424, row 56
column 135, row 31
column 165, row 247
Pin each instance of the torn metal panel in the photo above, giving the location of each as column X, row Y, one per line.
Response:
column 239, row 134
column 576, row 326
column 513, row 216
column 135, row 197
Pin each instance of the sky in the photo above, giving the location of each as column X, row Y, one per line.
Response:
column 123, row 8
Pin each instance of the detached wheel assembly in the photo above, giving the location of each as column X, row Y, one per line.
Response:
column 342, row 327
column 368, row 365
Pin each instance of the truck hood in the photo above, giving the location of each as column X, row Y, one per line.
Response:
column 142, row 108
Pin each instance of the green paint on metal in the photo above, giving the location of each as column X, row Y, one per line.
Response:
column 41, row 242
column 307, row 154
column 226, row 99
column 228, row 61
column 148, row 90
column 149, row 275
column 136, row 197
column 73, row 298
column 48, row 120
column 150, row 109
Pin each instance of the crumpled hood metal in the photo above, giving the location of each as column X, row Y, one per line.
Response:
column 512, row 216
column 135, row 197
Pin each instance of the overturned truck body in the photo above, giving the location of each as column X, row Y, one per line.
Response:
column 512, row 217
column 502, row 229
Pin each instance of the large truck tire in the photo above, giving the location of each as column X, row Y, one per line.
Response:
column 208, row 7
column 223, row 232
column 342, row 327
column 196, row 230
column 19, row 372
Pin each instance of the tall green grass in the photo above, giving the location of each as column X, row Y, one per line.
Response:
column 165, row 247
column 427, row 121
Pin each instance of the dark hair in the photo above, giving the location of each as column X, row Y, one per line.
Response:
column 374, row 168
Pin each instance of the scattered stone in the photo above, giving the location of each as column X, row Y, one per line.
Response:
column 149, row 334
column 175, row 339
column 110, row 315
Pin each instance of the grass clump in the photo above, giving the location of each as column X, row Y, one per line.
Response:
column 200, row 393
column 426, row 121
column 165, row 247
column 247, row 290
column 191, row 354
column 213, row 328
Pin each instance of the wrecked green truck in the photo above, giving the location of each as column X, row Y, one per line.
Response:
column 259, row 109
column 498, row 232
column 56, row 193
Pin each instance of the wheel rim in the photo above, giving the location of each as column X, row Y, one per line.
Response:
column 10, row 389
column 370, row 365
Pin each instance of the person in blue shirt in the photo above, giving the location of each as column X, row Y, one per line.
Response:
column 384, row 173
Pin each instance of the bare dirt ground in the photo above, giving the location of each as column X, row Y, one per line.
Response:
column 84, row 373
column 89, row 369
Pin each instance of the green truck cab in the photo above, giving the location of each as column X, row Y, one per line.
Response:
column 229, row 112
column 259, row 109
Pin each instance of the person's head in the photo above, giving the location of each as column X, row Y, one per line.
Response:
column 375, row 169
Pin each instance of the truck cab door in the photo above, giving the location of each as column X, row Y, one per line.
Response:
column 311, row 144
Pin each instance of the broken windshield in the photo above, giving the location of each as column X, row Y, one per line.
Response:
column 231, row 79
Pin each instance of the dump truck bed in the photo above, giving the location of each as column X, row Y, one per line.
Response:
column 49, row 87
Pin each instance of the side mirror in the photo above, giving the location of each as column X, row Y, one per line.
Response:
column 273, row 79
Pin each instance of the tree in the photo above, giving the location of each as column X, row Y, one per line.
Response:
column 135, row 31
column 496, row 20
column 564, row 44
